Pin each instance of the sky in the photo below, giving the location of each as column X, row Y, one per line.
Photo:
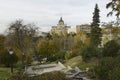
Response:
column 46, row 13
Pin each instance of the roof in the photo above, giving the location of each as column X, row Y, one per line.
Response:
column 61, row 20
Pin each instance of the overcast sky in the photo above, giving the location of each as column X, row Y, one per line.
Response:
column 46, row 13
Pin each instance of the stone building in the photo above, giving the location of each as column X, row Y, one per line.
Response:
column 61, row 28
column 83, row 28
column 72, row 31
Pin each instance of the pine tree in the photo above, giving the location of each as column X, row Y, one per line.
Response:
column 95, row 29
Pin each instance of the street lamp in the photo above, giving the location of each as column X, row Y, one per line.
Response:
column 11, row 59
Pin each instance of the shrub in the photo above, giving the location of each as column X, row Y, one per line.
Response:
column 60, row 55
column 57, row 56
column 111, row 49
column 8, row 59
column 108, row 69
column 68, row 55
column 103, row 68
column 47, row 76
column 89, row 52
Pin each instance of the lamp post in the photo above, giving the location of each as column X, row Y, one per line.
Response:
column 11, row 59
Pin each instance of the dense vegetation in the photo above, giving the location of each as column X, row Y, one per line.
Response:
column 46, row 76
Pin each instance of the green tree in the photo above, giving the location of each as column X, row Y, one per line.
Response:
column 2, row 40
column 89, row 52
column 48, row 47
column 20, row 38
column 111, row 49
column 115, row 6
column 116, row 31
column 43, row 46
column 79, row 40
column 95, row 29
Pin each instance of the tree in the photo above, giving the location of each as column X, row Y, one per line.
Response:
column 89, row 52
column 115, row 5
column 95, row 30
column 20, row 37
column 48, row 47
column 2, row 39
column 115, row 31
column 111, row 49
column 79, row 40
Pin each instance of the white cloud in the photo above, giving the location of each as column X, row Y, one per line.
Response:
column 46, row 13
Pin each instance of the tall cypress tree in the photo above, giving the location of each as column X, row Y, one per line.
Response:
column 95, row 29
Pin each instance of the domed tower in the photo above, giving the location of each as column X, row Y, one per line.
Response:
column 61, row 22
column 61, row 28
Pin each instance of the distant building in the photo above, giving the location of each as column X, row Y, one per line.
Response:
column 83, row 28
column 110, row 33
column 42, row 34
column 72, row 30
column 61, row 28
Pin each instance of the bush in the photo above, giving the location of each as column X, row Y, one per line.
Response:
column 89, row 52
column 103, row 68
column 57, row 56
column 60, row 55
column 47, row 76
column 8, row 59
column 68, row 55
column 111, row 49
column 108, row 69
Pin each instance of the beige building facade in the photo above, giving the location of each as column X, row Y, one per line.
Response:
column 72, row 30
column 83, row 28
column 61, row 28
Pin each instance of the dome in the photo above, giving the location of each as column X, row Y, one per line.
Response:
column 61, row 21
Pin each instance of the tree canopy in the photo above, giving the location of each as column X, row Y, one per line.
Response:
column 115, row 6
column 21, row 38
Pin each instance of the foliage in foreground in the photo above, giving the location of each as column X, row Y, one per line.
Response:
column 108, row 69
column 4, row 73
column 109, row 66
column 48, row 76
column 7, row 59
column 89, row 52
column 111, row 49
column 115, row 6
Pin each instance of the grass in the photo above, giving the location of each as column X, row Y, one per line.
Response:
column 4, row 73
column 77, row 61
column 74, row 61
column 90, row 64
